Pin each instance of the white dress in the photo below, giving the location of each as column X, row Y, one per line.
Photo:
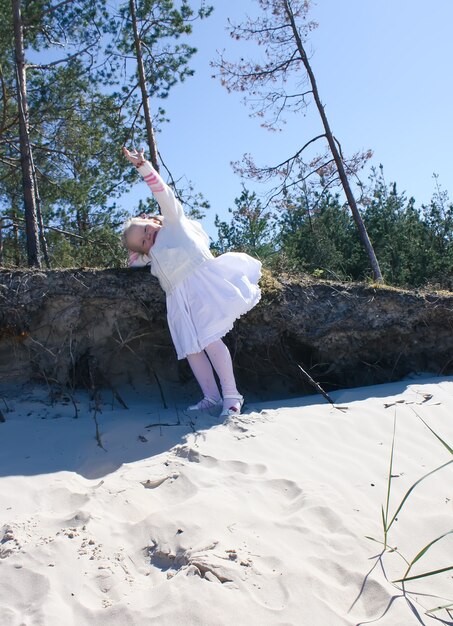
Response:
column 204, row 294
column 204, row 306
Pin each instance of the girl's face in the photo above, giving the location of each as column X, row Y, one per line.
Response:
column 141, row 236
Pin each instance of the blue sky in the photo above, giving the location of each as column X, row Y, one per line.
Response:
column 384, row 75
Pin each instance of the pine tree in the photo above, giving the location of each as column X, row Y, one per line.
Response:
column 251, row 228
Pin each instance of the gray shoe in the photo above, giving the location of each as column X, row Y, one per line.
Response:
column 208, row 405
column 233, row 409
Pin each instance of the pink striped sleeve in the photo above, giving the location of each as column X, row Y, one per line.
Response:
column 169, row 205
column 154, row 182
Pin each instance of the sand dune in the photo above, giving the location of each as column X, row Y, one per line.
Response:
column 261, row 520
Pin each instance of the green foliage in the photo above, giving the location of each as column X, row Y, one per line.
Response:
column 414, row 246
column 318, row 233
column 250, row 230
column 315, row 233
column 100, row 248
column 83, row 105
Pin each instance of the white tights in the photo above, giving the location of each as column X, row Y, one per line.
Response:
column 220, row 358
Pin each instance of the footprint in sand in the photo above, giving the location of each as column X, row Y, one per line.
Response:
column 193, row 456
column 60, row 500
column 153, row 483
column 80, row 518
column 175, row 488
column 286, row 493
column 225, row 566
column 322, row 517
column 9, row 543
column 277, row 497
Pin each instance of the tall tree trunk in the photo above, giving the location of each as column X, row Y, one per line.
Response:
column 142, row 80
column 31, row 222
column 42, row 234
column 334, row 150
column 1, row 241
column 16, row 247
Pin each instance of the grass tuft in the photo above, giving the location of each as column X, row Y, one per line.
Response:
column 388, row 521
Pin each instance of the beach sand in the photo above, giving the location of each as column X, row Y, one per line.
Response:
column 259, row 520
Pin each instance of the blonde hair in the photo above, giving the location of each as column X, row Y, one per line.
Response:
column 132, row 221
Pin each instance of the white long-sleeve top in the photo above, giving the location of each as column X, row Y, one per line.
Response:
column 181, row 244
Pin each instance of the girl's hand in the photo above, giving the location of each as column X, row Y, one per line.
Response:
column 136, row 157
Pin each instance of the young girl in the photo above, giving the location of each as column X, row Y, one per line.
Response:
column 204, row 294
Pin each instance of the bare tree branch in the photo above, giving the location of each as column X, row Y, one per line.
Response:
column 15, row 219
column 65, row 60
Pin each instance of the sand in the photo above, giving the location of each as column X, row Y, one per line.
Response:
column 259, row 520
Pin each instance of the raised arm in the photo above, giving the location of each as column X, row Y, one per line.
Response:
column 169, row 205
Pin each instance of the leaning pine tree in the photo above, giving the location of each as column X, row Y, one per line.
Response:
column 281, row 31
